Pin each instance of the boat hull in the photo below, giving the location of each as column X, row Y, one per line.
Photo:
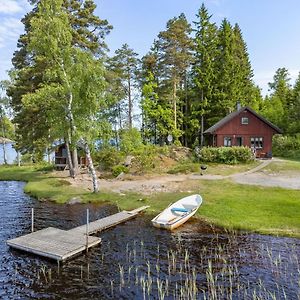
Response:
column 177, row 214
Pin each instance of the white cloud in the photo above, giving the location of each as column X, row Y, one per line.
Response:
column 10, row 30
column 10, row 6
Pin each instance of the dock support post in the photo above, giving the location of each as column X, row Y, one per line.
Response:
column 87, row 229
column 32, row 219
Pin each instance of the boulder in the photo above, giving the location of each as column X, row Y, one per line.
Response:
column 128, row 161
column 74, row 200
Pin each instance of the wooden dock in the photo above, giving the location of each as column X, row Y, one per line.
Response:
column 61, row 245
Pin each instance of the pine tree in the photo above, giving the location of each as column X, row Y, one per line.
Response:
column 204, row 70
column 294, row 108
column 243, row 73
column 175, row 47
column 125, row 66
column 276, row 106
column 226, row 82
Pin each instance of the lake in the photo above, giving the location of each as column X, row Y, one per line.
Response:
column 138, row 261
column 10, row 152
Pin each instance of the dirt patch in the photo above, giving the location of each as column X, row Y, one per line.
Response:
column 149, row 184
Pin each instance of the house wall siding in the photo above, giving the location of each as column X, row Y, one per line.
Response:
column 255, row 128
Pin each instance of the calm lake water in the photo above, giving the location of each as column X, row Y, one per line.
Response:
column 10, row 152
column 138, row 261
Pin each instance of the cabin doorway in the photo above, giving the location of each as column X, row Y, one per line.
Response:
column 239, row 141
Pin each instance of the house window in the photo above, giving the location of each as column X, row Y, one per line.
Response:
column 227, row 141
column 245, row 120
column 257, row 142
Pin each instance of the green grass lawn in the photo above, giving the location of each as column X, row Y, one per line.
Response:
column 233, row 206
column 213, row 168
column 283, row 165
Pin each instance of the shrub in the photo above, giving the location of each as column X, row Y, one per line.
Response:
column 286, row 146
column 144, row 157
column 107, row 158
column 131, row 140
column 116, row 170
column 226, row 155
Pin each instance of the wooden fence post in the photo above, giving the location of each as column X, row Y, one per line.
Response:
column 32, row 219
column 87, row 229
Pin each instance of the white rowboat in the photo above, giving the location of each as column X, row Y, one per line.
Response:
column 178, row 213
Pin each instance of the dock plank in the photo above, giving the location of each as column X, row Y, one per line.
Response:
column 53, row 243
column 104, row 223
column 63, row 244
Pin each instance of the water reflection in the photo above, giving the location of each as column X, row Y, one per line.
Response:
column 137, row 261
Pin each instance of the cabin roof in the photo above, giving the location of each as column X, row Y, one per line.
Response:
column 5, row 140
column 232, row 115
column 60, row 143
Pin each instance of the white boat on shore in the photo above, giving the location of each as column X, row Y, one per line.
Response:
column 178, row 213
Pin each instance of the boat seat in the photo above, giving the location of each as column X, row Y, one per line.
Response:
column 179, row 209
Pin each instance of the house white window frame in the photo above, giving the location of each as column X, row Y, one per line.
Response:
column 257, row 142
column 244, row 120
column 227, row 141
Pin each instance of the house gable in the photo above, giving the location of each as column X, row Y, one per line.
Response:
column 244, row 128
column 232, row 118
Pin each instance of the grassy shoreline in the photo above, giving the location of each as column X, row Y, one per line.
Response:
column 258, row 209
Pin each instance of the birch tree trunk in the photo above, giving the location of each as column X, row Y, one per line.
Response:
column 75, row 160
column 73, row 163
column 91, row 167
column 69, row 159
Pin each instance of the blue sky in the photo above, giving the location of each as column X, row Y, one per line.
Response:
column 270, row 28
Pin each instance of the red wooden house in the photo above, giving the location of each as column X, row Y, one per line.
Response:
column 243, row 127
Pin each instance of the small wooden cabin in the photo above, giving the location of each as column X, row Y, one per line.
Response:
column 61, row 157
column 243, row 127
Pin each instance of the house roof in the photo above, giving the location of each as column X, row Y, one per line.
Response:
column 232, row 115
column 5, row 140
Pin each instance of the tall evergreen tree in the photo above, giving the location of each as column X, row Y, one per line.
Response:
column 125, row 65
column 227, row 89
column 175, row 46
column 276, row 106
column 243, row 73
column 294, row 108
column 204, row 69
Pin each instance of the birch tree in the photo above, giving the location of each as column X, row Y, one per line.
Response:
column 88, row 32
column 73, row 80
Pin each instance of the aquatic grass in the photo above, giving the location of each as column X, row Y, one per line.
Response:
column 223, row 273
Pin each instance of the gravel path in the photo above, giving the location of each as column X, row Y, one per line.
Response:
column 180, row 182
column 255, row 177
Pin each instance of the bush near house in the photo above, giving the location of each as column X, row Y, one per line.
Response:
column 226, row 155
column 286, row 146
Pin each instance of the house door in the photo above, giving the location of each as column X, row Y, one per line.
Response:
column 239, row 141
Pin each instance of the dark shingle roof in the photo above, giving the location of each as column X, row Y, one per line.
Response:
column 229, row 117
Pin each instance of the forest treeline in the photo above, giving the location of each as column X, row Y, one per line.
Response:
column 64, row 85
